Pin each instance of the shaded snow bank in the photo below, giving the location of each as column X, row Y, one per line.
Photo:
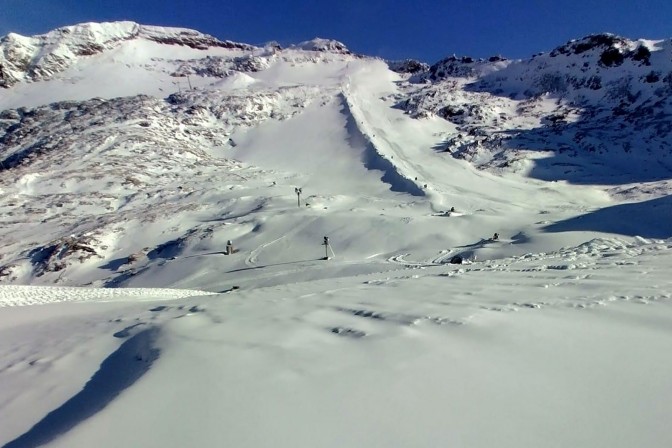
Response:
column 118, row 372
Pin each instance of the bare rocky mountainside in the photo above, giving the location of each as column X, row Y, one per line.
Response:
column 124, row 146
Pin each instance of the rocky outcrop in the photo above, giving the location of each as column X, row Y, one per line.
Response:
column 189, row 38
column 411, row 66
column 221, row 67
column 40, row 57
column 602, row 95
column 613, row 50
column 462, row 67
column 324, row 45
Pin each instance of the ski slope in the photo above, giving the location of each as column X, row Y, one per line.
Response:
column 527, row 346
column 124, row 323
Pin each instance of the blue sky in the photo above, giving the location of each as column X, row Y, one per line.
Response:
column 423, row 29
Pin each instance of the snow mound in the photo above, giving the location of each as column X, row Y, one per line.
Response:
column 235, row 81
column 19, row 295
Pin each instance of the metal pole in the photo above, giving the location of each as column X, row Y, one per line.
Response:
column 298, row 197
column 326, row 247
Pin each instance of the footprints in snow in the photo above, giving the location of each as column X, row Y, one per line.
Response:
column 174, row 312
column 375, row 319
column 348, row 332
column 589, row 302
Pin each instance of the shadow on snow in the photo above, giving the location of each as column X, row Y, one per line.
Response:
column 373, row 160
column 117, row 372
column 648, row 219
column 621, row 140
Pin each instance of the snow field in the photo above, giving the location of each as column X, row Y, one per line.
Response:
column 555, row 334
column 528, row 344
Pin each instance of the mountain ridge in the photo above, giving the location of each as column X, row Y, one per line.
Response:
column 38, row 57
column 118, row 163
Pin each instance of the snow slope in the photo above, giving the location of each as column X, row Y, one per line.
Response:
column 124, row 321
column 549, row 349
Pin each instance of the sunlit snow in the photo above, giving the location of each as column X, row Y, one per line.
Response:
column 123, row 322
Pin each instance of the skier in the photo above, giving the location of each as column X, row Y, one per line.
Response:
column 229, row 248
column 495, row 237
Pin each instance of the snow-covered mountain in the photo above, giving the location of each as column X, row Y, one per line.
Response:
column 577, row 105
column 108, row 126
column 499, row 243
column 40, row 57
column 103, row 123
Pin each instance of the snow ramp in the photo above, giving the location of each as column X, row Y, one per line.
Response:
column 372, row 157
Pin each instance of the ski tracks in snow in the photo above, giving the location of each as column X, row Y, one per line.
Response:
column 251, row 260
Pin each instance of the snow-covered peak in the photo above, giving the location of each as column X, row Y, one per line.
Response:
column 612, row 49
column 589, row 69
column 327, row 45
column 187, row 37
column 39, row 57
column 602, row 96
column 106, row 33
column 464, row 67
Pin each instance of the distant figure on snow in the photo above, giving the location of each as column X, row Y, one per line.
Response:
column 452, row 209
column 229, row 248
column 495, row 236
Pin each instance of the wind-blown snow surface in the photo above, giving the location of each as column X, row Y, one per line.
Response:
column 123, row 322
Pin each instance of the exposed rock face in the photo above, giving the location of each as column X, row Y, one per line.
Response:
column 325, row 45
column 61, row 253
column 190, row 38
column 587, row 96
column 39, row 57
column 411, row 66
column 613, row 50
column 601, row 42
column 136, row 147
column 29, row 136
column 453, row 66
column 221, row 67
